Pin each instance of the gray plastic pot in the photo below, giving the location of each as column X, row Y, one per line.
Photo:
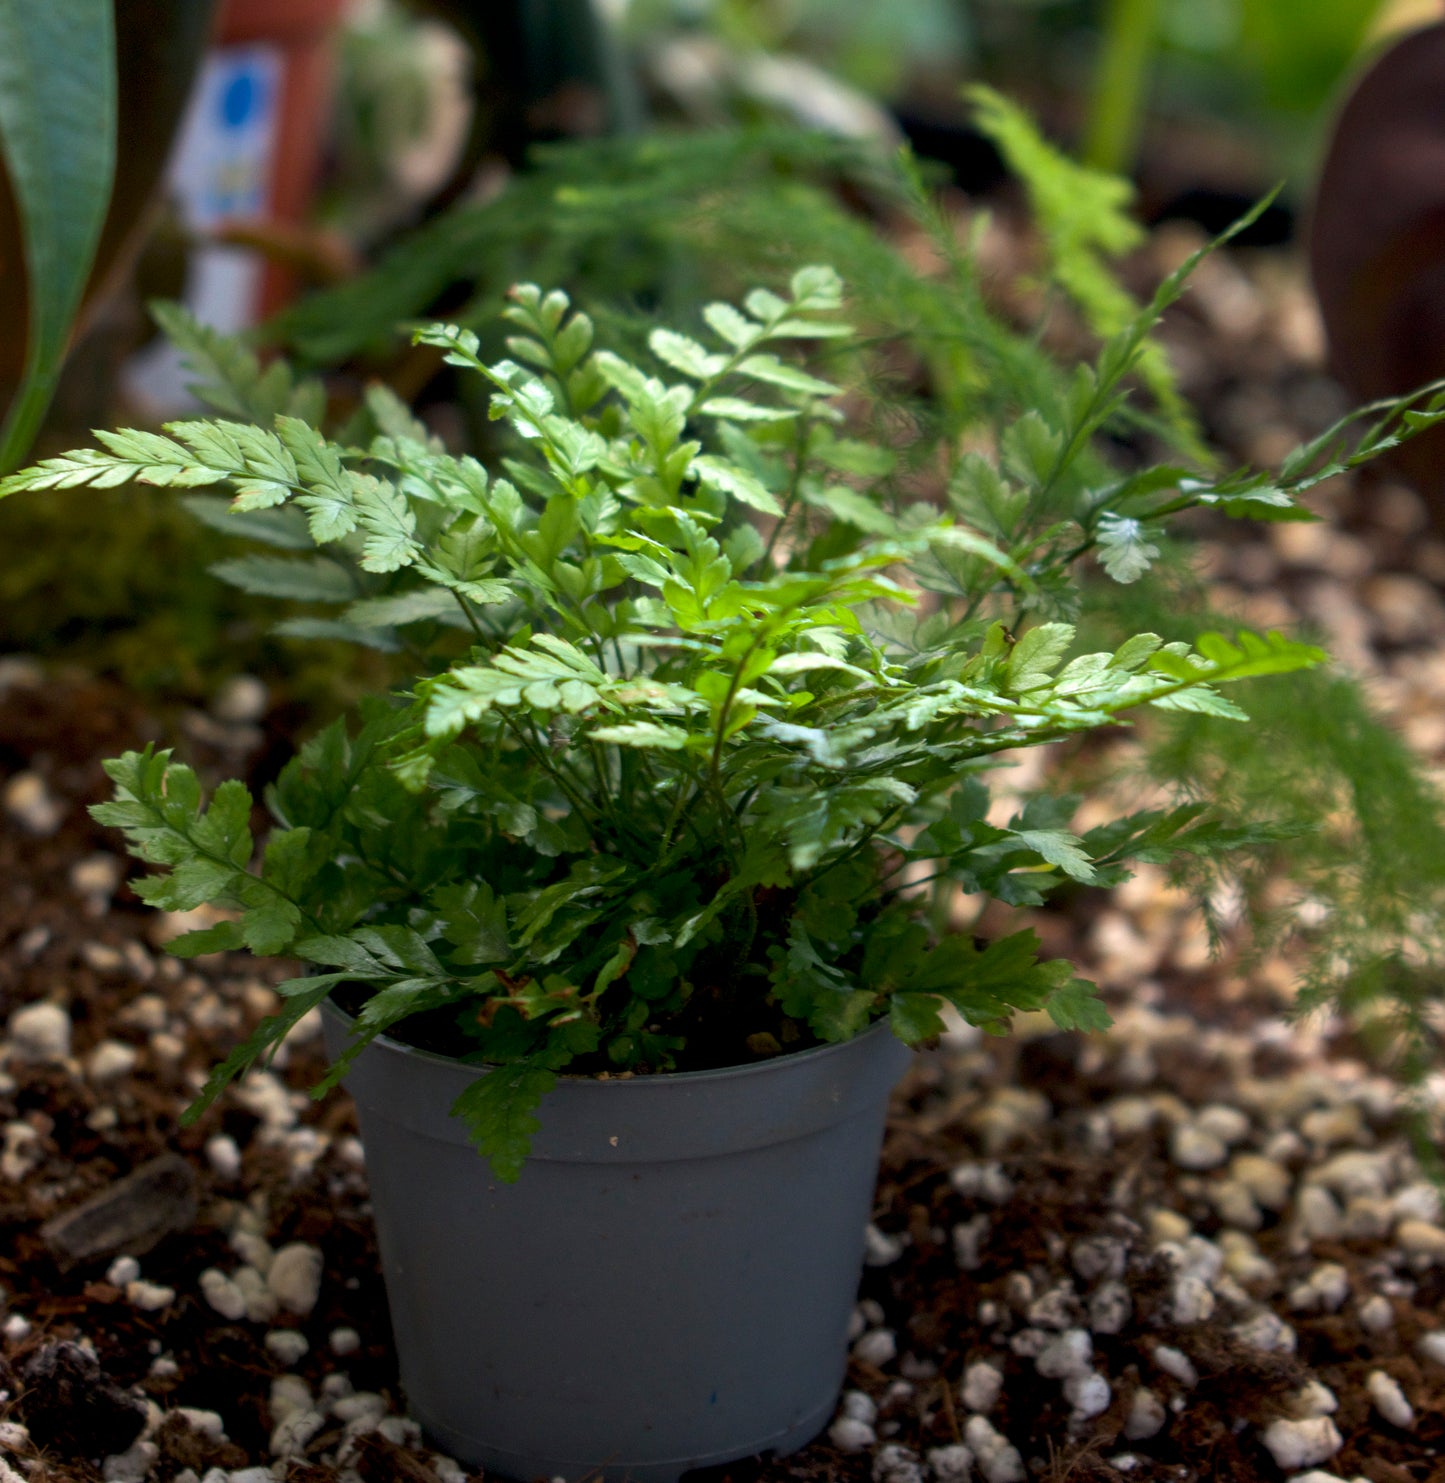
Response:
column 667, row 1286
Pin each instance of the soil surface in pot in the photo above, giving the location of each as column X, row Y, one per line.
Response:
column 1196, row 1249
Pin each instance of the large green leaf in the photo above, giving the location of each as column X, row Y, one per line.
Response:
column 57, row 133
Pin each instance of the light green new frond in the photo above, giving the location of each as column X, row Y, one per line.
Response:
column 1083, row 217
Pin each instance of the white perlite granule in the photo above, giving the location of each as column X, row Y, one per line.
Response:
column 1302, row 1444
column 1389, row 1400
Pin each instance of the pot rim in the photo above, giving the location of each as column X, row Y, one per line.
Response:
column 651, row 1078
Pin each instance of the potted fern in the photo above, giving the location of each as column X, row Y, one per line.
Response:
column 634, row 885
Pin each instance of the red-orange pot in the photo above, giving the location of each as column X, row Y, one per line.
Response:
column 302, row 31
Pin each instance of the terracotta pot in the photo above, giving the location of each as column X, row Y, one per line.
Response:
column 1377, row 240
column 302, row 32
column 159, row 44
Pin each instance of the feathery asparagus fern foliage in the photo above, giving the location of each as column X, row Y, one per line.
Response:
column 699, row 698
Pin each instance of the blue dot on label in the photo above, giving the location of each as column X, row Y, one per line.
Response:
column 241, row 99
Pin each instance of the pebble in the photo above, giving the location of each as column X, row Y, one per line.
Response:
column 241, row 701
column 1072, row 1353
column 848, row 1434
column 1389, row 1400
column 1089, row 1395
column 1009, row 1115
column 894, row 1463
column 290, row 1396
column 1267, row 1180
column 1130, row 1116
column 1419, row 1201
column 1432, row 1346
column 132, row 1465
column 1421, row 1240
column 1327, row 1126
column 952, row 1464
column 1313, row 1398
column 1191, row 1301
column 29, row 801
column 1302, row 1444
column 998, row 1459
column 364, row 1406
column 295, row 1277
column 1099, row 1256
column 859, row 1405
column 290, row 1436
column 1176, row 1363
column 110, row 1060
column 223, row 1156
column 1266, row 1332
column 982, row 1181
column 287, row 1345
column 39, row 1033
column 880, row 1249
column 343, row 1341
column 253, row 1248
column 1368, row 1218
column 1164, row 1226
column 96, row 877
column 122, row 1271
column 1228, row 1124
column 1324, row 1290
column 207, row 1423
column 982, row 1386
column 1193, row 1147
column 20, row 1152
column 1318, row 1216
column 1235, row 1205
column 16, row 1328
column 222, row 1294
column 877, row 1347
column 149, row 1297
column 261, row 1304
column 1146, row 1416
column 1355, row 1173
column 1055, row 1309
column 130, row 1215
column 1376, row 1315
column 145, row 1012
column 1111, row 1306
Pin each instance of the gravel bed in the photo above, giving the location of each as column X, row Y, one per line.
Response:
column 1199, row 1248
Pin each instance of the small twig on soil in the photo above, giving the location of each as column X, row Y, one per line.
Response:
column 948, row 1409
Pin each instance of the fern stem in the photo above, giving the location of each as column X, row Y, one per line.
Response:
column 1121, row 78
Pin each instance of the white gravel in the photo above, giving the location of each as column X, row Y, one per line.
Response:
column 1302, row 1444
column 149, row 1297
column 952, row 1464
column 998, row 1459
column 39, row 1033
column 982, row 1386
column 1146, row 1416
column 878, row 1347
column 1389, row 1400
column 122, row 1271
column 848, row 1434
column 295, row 1277
column 222, row 1294
column 1071, row 1354
column 28, row 800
